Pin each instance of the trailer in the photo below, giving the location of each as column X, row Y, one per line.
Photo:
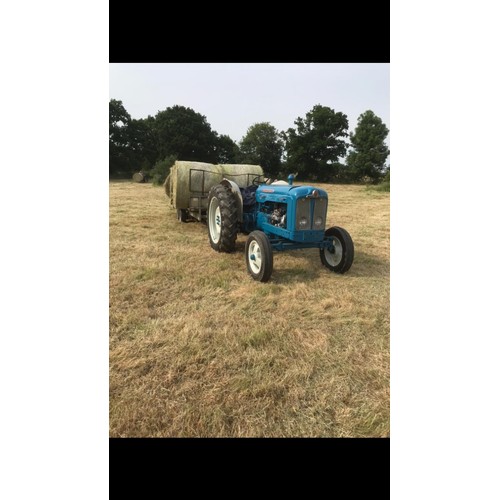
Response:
column 188, row 184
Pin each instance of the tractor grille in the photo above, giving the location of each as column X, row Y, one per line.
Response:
column 303, row 214
column 307, row 207
column 320, row 206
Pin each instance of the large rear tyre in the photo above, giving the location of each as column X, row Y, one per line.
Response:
column 338, row 258
column 222, row 218
column 259, row 256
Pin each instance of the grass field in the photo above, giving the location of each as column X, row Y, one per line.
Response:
column 198, row 348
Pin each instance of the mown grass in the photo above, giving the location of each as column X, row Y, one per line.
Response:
column 197, row 348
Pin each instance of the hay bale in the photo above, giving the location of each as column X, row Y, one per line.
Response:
column 242, row 174
column 187, row 179
column 184, row 184
column 139, row 177
column 168, row 186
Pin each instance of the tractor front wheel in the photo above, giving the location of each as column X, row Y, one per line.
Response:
column 259, row 256
column 339, row 256
column 222, row 219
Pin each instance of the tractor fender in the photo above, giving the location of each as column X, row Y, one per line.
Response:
column 236, row 190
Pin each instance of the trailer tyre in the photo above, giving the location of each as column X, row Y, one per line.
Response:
column 338, row 258
column 259, row 256
column 222, row 218
column 182, row 215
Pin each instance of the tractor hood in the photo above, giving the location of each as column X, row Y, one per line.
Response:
column 265, row 192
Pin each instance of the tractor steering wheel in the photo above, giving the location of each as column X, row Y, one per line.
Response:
column 256, row 181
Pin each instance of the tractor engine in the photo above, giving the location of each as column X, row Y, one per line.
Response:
column 278, row 216
column 276, row 213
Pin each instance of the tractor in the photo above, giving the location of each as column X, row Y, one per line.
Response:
column 277, row 216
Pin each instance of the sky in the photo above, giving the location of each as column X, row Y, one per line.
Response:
column 234, row 96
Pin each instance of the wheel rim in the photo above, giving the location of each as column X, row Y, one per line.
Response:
column 255, row 257
column 334, row 256
column 214, row 220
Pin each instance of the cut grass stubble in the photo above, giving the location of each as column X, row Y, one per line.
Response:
column 198, row 348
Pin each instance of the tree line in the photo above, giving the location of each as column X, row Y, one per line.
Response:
column 313, row 148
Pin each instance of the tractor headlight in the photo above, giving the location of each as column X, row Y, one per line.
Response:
column 318, row 221
column 303, row 222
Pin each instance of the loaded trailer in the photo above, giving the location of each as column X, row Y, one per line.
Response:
column 188, row 184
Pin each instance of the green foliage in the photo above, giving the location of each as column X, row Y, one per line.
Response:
column 118, row 137
column 262, row 145
column 227, row 150
column 131, row 142
column 385, row 185
column 369, row 151
column 118, row 117
column 161, row 169
column 142, row 147
column 186, row 134
column 314, row 147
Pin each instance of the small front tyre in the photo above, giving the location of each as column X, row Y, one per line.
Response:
column 339, row 256
column 259, row 256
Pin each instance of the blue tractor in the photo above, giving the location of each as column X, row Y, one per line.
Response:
column 277, row 216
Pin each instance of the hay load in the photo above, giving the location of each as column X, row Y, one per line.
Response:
column 242, row 174
column 168, row 186
column 189, row 182
column 139, row 177
column 188, row 178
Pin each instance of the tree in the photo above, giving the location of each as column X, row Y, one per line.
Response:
column 119, row 120
column 315, row 146
column 263, row 145
column 186, row 134
column 369, row 151
column 161, row 169
column 227, row 150
column 141, row 143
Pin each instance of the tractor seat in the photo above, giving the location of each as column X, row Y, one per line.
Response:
column 248, row 195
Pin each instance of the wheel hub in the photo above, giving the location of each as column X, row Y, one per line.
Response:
column 255, row 256
column 333, row 253
column 214, row 220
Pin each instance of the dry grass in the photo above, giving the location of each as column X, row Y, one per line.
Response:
column 197, row 348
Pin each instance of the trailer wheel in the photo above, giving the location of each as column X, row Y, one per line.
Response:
column 182, row 215
column 259, row 256
column 222, row 218
column 338, row 258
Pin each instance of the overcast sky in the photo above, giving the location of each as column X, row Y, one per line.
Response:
column 234, row 96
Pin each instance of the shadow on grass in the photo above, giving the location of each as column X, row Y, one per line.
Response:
column 364, row 266
column 294, row 275
column 240, row 246
column 368, row 265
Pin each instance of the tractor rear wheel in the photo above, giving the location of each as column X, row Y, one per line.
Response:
column 222, row 218
column 259, row 256
column 338, row 258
